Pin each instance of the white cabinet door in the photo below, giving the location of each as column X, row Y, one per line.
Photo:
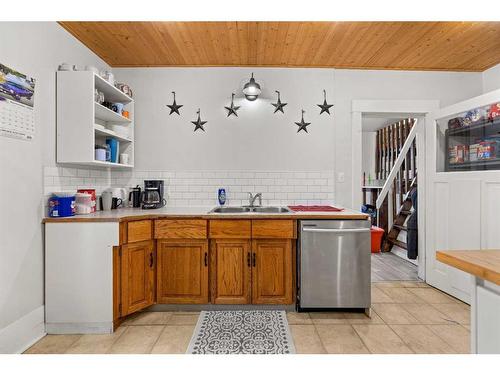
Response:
column 454, row 225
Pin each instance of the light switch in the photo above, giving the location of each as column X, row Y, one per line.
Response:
column 340, row 177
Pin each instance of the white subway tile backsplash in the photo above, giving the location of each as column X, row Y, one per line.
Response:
column 199, row 188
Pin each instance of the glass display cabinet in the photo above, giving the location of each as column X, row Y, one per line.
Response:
column 469, row 140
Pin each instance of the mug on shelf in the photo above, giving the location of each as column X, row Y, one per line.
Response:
column 124, row 159
column 117, row 107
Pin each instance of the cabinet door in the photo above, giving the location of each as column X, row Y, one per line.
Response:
column 272, row 272
column 182, row 273
column 137, row 276
column 230, row 270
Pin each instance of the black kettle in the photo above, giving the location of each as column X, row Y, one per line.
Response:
column 135, row 196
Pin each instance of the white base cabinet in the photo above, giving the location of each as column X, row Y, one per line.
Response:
column 79, row 277
column 485, row 324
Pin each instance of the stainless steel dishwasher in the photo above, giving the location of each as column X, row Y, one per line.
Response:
column 334, row 264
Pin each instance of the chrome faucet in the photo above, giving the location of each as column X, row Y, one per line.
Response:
column 252, row 198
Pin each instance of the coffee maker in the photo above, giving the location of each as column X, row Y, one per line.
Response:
column 152, row 196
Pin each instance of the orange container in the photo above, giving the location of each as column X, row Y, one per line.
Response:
column 377, row 234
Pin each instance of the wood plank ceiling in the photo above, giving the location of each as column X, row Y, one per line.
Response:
column 454, row 46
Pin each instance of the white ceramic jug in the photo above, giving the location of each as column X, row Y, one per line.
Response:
column 107, row 200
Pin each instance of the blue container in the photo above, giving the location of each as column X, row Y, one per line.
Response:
column 113, row 147
column 61, row 206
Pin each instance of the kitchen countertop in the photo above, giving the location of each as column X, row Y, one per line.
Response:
column 130, row 214
column 484, row 264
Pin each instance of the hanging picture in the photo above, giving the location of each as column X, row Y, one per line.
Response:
column 17, row 98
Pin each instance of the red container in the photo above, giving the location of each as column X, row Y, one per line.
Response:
column 92, row 197
column 377, row 234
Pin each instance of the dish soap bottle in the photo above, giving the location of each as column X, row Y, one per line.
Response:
column 222, row 196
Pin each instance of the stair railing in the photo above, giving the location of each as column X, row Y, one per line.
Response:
column 400, row 177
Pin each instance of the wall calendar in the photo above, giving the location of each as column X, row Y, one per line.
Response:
column 17, row 97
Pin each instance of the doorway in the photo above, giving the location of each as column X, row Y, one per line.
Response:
column 369, row 115
column 395, row 215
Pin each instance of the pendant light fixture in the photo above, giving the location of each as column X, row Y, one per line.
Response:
column 251, row 89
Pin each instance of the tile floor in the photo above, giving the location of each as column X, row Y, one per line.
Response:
column 407, row 317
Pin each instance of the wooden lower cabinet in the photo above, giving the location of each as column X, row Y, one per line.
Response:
column 137, row 276
column 230, row 269
column 182, row 271
column 272, row 271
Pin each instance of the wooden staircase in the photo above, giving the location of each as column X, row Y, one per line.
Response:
column 393, row 203
column 399, row 224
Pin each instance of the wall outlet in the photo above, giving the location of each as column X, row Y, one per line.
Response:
column 340, row 177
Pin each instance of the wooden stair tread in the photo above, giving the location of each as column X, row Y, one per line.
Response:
column 405, row 212
column 400, row 227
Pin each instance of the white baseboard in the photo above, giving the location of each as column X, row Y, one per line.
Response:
column 24, row 332
column 79, row 328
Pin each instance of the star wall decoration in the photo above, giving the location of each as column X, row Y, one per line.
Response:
column 232, row 109
column 198, row 124
column 302, row 125
column 325, row 107
column 174, row 107
column 278, row 106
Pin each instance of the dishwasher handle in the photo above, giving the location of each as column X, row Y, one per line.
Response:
column 323, row 230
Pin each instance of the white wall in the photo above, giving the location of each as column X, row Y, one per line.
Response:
column 491, row 79
column 447, row 87
column 259, row 139
column 35, row 49
column 256, row 140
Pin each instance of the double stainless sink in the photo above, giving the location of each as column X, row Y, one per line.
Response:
column 248, row 209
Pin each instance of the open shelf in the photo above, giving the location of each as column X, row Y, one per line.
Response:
column 111, row 93
column 476, row 164
column 112, row 134
column 106, row 114
column 109, row 164
column 82, row 123
column 493, row 126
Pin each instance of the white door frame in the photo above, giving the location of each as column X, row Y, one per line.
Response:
column 394, row 108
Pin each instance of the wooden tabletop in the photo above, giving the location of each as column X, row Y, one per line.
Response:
column 484, row 264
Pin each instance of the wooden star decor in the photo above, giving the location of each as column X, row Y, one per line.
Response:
column 302, row 124
column 232, row 109
column 198, row 124
column 278, row 106
column 325, row 107
column 174, row 107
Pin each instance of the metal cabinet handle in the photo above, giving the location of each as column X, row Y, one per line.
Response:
column 151, row 260
column 248, row 259
column 254, row 259
column 320, row 230
column 206, row 259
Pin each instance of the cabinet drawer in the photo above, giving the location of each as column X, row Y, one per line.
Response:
column 273, row 229
column 195, row 228
column 139, row 231
column 230, row 228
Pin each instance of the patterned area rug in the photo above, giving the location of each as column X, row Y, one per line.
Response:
column 241, row 332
